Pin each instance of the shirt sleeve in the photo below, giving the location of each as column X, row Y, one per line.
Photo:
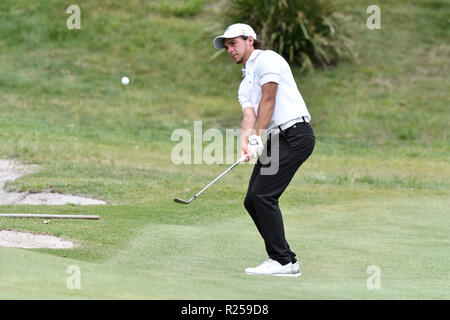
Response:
column 268, row 68
column 243, row 97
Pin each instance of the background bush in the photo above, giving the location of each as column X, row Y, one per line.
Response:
column 308, row 33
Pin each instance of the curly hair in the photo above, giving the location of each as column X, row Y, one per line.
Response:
column 257, row 44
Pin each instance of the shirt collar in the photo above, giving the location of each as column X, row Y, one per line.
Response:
column 253, row 56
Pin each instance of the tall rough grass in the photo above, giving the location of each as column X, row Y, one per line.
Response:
column 180, row 8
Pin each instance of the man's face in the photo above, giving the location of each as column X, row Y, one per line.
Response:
column 238, row 48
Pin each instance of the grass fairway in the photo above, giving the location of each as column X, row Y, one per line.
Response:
column 375, row 192
column 405, row 236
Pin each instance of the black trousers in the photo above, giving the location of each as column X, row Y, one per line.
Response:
column 283, row 154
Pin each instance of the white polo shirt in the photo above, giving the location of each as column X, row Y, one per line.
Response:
column 265, row 66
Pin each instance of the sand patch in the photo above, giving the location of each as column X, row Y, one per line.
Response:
column 12, row 170
column 21, row 239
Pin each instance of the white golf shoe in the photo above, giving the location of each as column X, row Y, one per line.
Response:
column 273, row 268
column 296, row 268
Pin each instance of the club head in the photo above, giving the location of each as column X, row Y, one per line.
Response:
column 180, row 201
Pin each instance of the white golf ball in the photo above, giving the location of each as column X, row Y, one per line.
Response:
column 125, row 80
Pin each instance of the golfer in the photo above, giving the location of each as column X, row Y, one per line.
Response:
column 272, row 104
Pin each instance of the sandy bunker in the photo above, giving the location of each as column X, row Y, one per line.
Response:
column 12, row 170
column 21, row 239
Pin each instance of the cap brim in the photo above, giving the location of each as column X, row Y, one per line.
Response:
column 218, row 41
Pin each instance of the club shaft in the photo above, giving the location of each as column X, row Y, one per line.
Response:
column 220, row 176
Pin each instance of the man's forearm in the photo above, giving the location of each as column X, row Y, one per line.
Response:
column 247, row 127
column 266, row 106
column 265, row 112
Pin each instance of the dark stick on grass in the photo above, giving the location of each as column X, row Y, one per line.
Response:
column 49, row 216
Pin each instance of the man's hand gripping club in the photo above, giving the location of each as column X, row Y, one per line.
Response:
column 255, row 146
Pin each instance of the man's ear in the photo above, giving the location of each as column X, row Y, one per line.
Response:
column 251, row 41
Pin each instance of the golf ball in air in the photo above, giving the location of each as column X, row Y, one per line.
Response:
column 125, row 80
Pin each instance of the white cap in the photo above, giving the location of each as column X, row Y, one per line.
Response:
column 233, row 31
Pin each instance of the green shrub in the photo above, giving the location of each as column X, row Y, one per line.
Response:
column 306, row 32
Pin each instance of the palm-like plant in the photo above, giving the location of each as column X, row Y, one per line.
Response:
column 306, row 32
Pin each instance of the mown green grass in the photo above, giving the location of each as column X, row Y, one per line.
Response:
column 375, row 191
column 190, row 257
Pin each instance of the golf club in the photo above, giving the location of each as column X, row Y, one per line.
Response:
column 177, row 200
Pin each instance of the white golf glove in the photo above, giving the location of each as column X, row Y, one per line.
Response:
column 255, row 145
